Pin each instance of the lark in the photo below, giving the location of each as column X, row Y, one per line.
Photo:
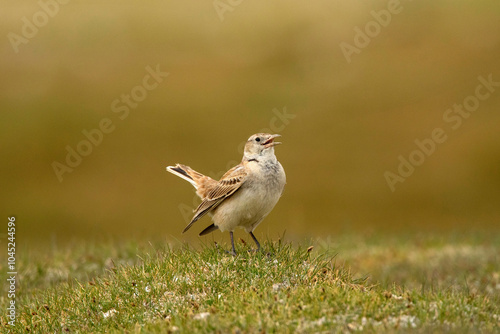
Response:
column 245, row 194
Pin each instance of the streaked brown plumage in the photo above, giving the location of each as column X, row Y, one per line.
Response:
column 245, row 194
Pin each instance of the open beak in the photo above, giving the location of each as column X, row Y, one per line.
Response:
column 270, row 142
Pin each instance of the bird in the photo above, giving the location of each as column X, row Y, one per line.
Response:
column 244, row 195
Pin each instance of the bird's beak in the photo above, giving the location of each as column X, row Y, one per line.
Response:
column 270, row 142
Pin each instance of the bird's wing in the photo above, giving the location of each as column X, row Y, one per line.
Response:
column 227, row 185
column 202, row 183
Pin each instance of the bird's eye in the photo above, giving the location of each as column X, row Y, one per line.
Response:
column 257, row 139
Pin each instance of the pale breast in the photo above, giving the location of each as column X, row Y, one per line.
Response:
column 254, row 200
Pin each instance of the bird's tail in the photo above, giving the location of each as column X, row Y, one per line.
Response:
column 202, row 183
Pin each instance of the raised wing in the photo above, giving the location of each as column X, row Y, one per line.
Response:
column 227, row 185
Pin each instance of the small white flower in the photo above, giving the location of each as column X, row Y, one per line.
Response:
column 110, row 313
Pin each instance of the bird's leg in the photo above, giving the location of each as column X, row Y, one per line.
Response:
column 256, row 241
column 233, row 253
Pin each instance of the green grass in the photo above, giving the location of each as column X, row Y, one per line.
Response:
column 376, row 284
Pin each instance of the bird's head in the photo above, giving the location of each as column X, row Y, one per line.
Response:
column 261, row 144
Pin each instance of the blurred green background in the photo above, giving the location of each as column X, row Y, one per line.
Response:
column 233, row 67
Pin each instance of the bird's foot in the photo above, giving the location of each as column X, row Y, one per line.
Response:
column 232, row 252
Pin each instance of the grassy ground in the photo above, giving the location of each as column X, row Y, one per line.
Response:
column 381, row 284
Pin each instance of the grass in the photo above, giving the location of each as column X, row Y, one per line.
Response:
column 374, row 284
